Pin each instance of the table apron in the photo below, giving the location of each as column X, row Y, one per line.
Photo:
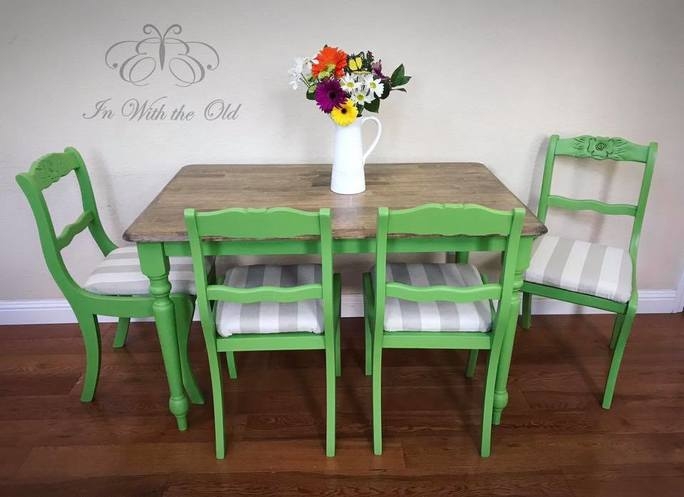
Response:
column 341, row 246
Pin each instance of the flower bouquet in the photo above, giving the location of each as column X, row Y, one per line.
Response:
column 344, row 85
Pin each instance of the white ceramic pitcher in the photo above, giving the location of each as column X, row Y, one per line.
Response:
column 348, row 157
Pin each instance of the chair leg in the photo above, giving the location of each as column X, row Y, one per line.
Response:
column 121, row 332
column 472, row 363
column 620, row 344
column 217, row 396
column 617, row 324
column 330, row 371
column 90, row 330
column 526, row 321
column 232, row 367
column 338, row 350
column 184, row 308
column 368, row 349
column 488, row 409
column 377, row 394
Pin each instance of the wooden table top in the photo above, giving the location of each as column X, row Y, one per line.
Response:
column 307, row 187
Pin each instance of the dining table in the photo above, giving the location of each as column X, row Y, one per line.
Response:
column 159, row 232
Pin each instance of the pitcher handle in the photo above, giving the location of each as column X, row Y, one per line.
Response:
column 377, row 137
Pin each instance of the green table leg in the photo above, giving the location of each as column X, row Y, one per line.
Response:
column 155, row 265
column 184, row 309
column 500, row 391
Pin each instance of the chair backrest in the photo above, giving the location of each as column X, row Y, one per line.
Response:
column 600, row 148
column 43, row 173
column 457, row 221
column 258, row 226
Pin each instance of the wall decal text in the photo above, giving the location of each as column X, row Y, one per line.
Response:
column 160, row 109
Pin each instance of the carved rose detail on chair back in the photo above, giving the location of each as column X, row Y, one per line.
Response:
column 51, row 168
column 600, row 147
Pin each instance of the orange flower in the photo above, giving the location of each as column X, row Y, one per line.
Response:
column 330, row 58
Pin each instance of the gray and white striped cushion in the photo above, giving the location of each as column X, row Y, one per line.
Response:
column 404, row 315
column 581, row 266
column 120, row 274
column 270, row 317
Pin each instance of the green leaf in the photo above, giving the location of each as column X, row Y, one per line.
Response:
column 397, row 75
column 399, row 89
column 403, row 81
column 373, row 106
column 311, row 92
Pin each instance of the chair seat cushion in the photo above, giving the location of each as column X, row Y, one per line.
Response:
column 271, row 317
column 580, row 266
column 404, row 315
column 120, row 274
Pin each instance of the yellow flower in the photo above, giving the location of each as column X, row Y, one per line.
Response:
column 346, row 114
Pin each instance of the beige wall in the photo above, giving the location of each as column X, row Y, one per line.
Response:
column 491, row 81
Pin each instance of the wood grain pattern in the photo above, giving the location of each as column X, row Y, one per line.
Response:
column 554, row 440
column 397, row 186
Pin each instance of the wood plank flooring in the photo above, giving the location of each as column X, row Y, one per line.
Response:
column 555, row 440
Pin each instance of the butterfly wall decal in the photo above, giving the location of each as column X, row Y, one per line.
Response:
column 137, row 61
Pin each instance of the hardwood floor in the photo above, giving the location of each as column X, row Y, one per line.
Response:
column 554, row 440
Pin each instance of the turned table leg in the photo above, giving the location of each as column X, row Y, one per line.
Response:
column 155, row 265
column 500, row 390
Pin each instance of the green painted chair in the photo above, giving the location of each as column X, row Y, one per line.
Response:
column 440, row 306
column 587, row 273
column 266, row 307
column 117, row 287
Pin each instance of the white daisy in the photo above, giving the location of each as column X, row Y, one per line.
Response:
column 376, row 86
column 350, row 84
column 294, row 80
column 301, row 71
column 360, row 97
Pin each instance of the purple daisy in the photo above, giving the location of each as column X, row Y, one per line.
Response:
column 329, row 94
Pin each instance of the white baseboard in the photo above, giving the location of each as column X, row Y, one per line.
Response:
column 352, row 305
column 52, row 311
column 679, row 301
